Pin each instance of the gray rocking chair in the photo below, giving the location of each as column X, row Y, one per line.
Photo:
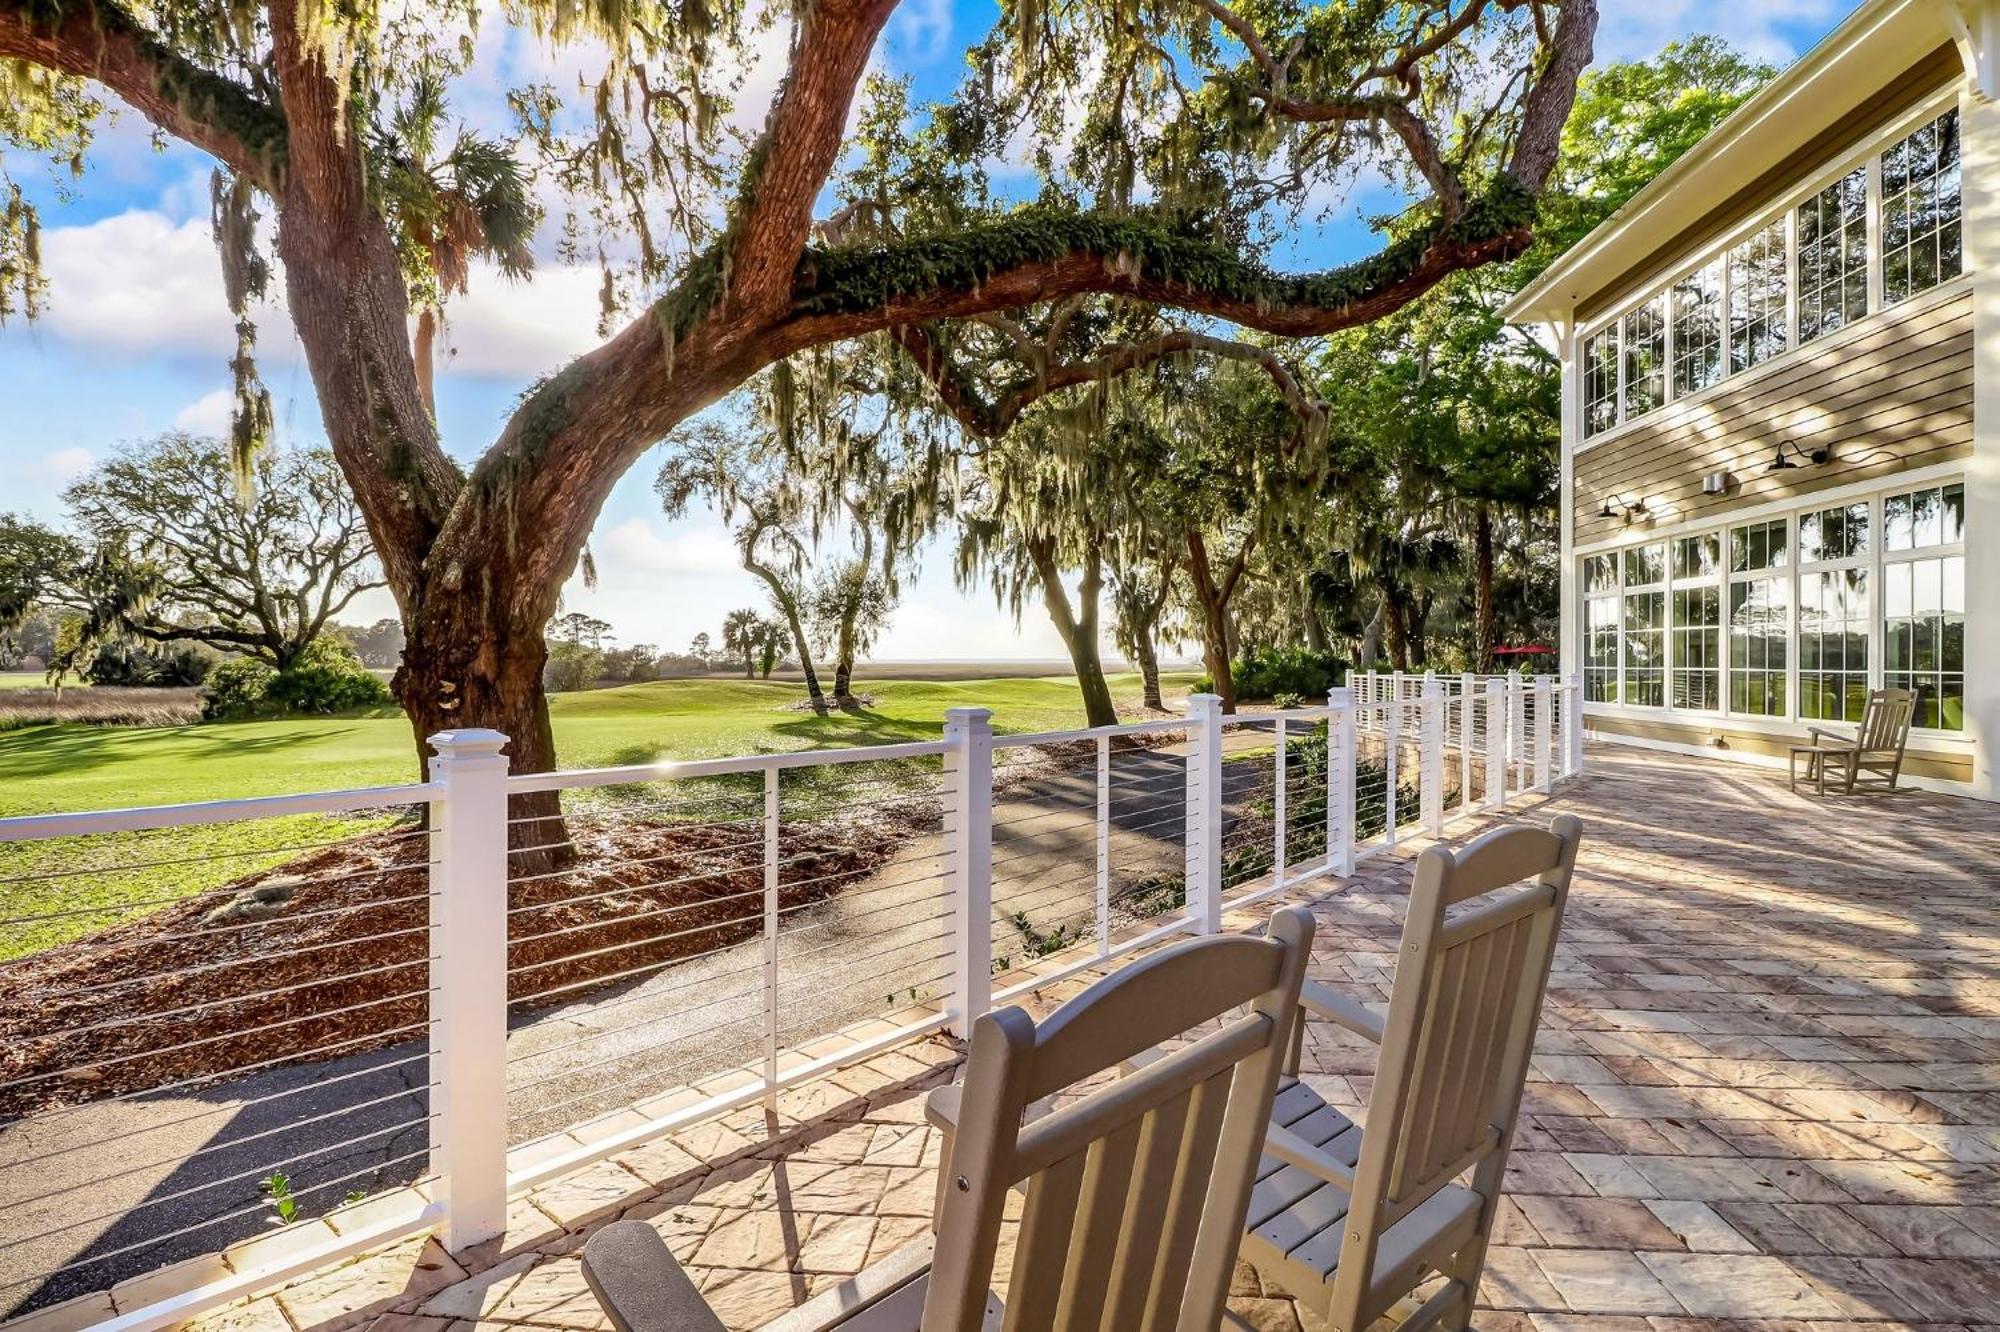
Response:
column 1136, row 1190
column 1352, row 1221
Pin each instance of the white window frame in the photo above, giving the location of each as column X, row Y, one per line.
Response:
column 1866, row 152
column 1874, row 493
column 1626, row 591
column 1786, row 575
column 1867, row 563
column 1713, row 582
column 1879, row 653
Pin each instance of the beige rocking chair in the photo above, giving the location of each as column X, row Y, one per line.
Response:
column 1876, row 747
column 1352, row 1221
column 1135, row 1190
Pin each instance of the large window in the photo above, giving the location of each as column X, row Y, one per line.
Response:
column 1697, row 307
column 1757, row 298
column 1923, row 601
column 1645, row 345
column 1600, row 382
column 1788, row 280
column 1600, row 628
column 1760, row 615
column 1834, row 553
column 1695, row 624
column 1921, row 246
column 1833, row 256
column 1645, row 625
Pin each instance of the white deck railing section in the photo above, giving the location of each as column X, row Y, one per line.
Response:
column 431, row 1008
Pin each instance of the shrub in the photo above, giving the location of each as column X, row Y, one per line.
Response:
column 168, row 666
column 326, row 677
column 236, row 688
column 1276, row 674
column 572, row 666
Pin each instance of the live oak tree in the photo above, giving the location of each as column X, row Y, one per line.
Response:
column 1214, row 114
column 159, row 549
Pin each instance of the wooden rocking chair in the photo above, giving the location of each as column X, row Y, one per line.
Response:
column 1352, row 1221
column 1875, row 748
column 1136, row 1190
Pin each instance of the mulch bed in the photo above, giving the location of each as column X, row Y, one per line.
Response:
column 325, row 956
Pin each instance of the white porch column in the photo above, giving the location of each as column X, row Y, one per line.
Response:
column 1977, row 24
column 1203, row 822
column 968, row 767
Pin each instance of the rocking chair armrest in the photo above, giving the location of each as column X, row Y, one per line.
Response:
column 1843, row 741
column 640, row 1283
column 1327, row 1003
column 1293, row 1150
column 941, row 1107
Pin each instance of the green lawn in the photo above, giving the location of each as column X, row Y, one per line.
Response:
column 33, row 680
column 52, row 891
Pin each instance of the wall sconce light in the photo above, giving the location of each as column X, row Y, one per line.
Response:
column 1618, row 508
column 1718, row 483
column 1785, row 457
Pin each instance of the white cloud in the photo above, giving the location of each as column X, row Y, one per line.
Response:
column 207, row 415
column 1764, row 29
column 139, row 282
column 637, row 546
column 517, row 330
column 922, row 30
column 66, row 464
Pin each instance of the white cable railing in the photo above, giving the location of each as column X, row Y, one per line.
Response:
column 451, row 975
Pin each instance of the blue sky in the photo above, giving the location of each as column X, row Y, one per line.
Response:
column 136, row 336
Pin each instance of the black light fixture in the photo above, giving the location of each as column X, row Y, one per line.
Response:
column 1618, row 508
column 1786, row 456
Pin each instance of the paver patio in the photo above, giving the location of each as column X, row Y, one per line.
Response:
column 1767, row 1095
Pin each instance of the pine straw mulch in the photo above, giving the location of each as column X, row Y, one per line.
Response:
column 221, row 984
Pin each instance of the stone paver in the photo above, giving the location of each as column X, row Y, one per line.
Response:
column 1766, row 1098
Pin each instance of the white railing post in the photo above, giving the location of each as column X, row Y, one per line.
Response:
column 771, row 794
column 1340, row 781
column 1392, row 740
column 1573, row 726
column 468, row 990
column 1468, row 728
column 1430, row 741
column 1104, row 846
column 1496, row 743
column 1517, row 731
column 1279, row 850
column 1545, row 721
column 969, row 834
column 1203, row 815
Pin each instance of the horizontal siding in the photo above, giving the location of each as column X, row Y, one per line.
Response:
column 1898, row 394
column 1936, row 765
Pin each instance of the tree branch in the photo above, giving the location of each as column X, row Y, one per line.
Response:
column 101, row 40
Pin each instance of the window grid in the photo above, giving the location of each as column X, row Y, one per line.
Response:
column 1887, row 229
column 1921, row 243
column 1835, row 552
column 1757, row 298
column 1695, row 624
column 1832, row 263
column 1645, row 601
column 1697, row 306
column 1923, row 601
column 1797, row 602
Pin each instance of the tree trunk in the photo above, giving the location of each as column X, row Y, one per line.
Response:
column 452, row 680
column 1315, row 627
column 1149, row 670
column 1371, row 639
column 1214, row 621
column 1482, row 589
column 424, row 349
column 1420, row 631
column 1078, row 630
column 788, row 605
column 1395, row 625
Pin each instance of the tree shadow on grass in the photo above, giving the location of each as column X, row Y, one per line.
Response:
column 46, row 751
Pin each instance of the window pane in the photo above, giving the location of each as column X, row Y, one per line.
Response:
column 1600, row 573
column 1600, row 382
column 1833, row 645
column 1832, row 253
column 1645, row 565
column 1920, row 210
column 1645, row 341
column 1758, row 546
column 1757, row 298
column 1833, row 534
column 1698, row 556
column 1759, row 631
column 1697, row 307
